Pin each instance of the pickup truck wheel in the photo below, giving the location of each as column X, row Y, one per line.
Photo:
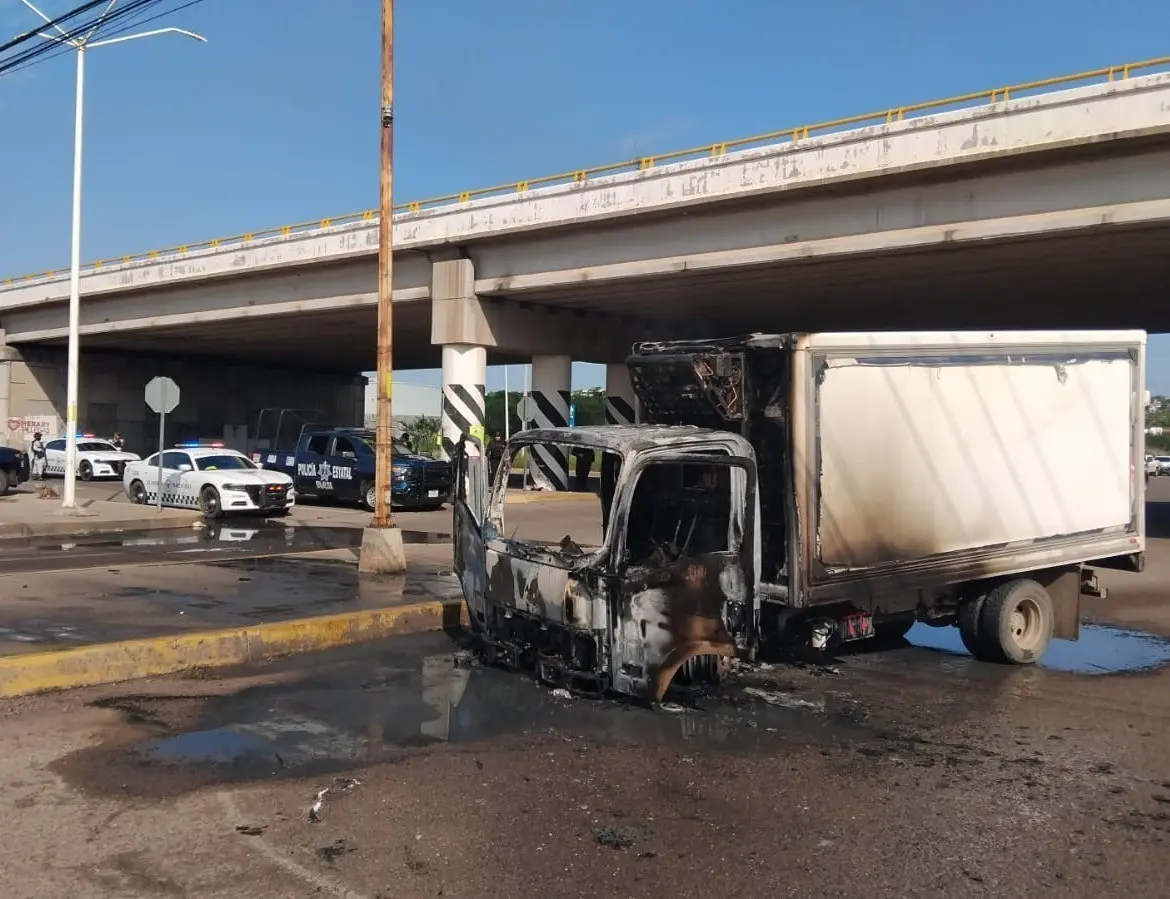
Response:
column 369, row 496
column 209, row 503
column 1016, row 621
column 970, row 611
column 85, row 471
column 138, row 493
column 5, row 482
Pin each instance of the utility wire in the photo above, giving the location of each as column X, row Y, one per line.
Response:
column 71, row 33
column 51, row 25
column 124, row 17
column 106, row 32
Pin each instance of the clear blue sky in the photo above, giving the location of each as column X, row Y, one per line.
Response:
column 275, row 120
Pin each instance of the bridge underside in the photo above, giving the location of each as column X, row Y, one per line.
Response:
column 1106, row 277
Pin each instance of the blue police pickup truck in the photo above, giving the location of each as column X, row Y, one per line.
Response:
column 338, row 464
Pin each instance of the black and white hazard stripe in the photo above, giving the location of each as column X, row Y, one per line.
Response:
column 550, row 464
column 618, row 411
column 464, row 412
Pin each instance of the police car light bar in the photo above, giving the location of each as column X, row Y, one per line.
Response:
column 196, row 444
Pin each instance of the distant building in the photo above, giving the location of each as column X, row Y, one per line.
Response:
column 408, row 402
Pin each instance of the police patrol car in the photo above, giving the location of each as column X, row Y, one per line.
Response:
column 96, row 458
column 211, row 478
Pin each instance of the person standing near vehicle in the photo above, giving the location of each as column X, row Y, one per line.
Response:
column 495, row 454
column 118, row 442
column 37, row 451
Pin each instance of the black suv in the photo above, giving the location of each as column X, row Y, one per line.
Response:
column 13, row 468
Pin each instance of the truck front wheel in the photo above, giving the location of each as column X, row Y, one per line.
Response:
column 1016, row 622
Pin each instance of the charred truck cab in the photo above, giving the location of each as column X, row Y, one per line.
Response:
column 671, row 587
column 825, row 487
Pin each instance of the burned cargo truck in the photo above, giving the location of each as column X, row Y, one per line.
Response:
column 829, row 487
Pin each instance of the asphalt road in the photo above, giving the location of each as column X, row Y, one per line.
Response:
column 906, row 771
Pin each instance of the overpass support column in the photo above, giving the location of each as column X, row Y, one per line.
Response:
column 464, row 394
column 621, row 403
column 457, row 325
column 551, row 380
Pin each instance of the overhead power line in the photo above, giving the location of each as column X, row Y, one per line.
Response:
column 118, row 21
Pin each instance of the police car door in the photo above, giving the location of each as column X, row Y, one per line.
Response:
column 313, row 469
column 55, row 457
column 343, row 462
column 179, row 487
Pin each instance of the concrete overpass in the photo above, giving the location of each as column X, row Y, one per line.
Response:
column 1041, row 210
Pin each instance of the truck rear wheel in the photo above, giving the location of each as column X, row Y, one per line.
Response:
column 1016, row 622
column 969, row 614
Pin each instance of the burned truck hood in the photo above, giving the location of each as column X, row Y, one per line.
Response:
column 699, row 381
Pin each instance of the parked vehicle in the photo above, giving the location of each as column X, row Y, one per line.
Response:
column 823, row 488
column 214, row 479
column 14, row 468
column 338, row 464
column 96, row 458
column 1161, row 465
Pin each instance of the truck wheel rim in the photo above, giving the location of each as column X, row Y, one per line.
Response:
column 1027, row 624
column 371, row 496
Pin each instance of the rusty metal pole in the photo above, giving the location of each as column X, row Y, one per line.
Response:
column 384, row 441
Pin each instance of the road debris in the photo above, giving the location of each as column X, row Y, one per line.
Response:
column 251, row 830
column 618, row 837
column 334, row 851
column 345, row 784
column 318, row 804
column 784, row 700
column 561, row 693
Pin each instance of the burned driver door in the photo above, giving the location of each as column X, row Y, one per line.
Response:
column 684, row 587
column 469, row 513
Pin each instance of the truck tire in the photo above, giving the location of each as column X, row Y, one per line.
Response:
column 970, row 611
column 1016, row 621
column 5, row 482
column 369, row 496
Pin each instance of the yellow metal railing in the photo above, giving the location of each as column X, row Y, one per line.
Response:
column 643, row 163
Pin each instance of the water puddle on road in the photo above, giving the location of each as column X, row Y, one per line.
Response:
column 330, row 722
column 1101, row 649
column 227, row 535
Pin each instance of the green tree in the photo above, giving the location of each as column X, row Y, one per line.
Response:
column 590, row 406
column 424, row 432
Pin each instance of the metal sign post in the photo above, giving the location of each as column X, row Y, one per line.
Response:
column 162, row 396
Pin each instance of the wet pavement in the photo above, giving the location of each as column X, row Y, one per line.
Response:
column 218, row 540
column 199, row 583
column 393, row 770
column 426, row 690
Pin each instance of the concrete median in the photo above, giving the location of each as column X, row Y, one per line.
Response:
column 103, row 663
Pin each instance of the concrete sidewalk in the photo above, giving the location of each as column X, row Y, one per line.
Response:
column 28, row 513
column 67, row 629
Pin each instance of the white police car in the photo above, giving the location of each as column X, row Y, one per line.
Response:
column 210, row 478
column 96, row 458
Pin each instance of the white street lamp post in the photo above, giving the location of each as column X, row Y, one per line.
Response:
column 82, row 45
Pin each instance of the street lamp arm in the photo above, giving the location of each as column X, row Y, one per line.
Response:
column 49, row 21
column 133, row 37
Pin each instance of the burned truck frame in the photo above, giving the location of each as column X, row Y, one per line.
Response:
column 832, row 487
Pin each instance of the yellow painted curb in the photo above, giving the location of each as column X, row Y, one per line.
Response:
column 548, row 496
column 105, row 663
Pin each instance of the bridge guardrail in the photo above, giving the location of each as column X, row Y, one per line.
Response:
column 642, row 163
